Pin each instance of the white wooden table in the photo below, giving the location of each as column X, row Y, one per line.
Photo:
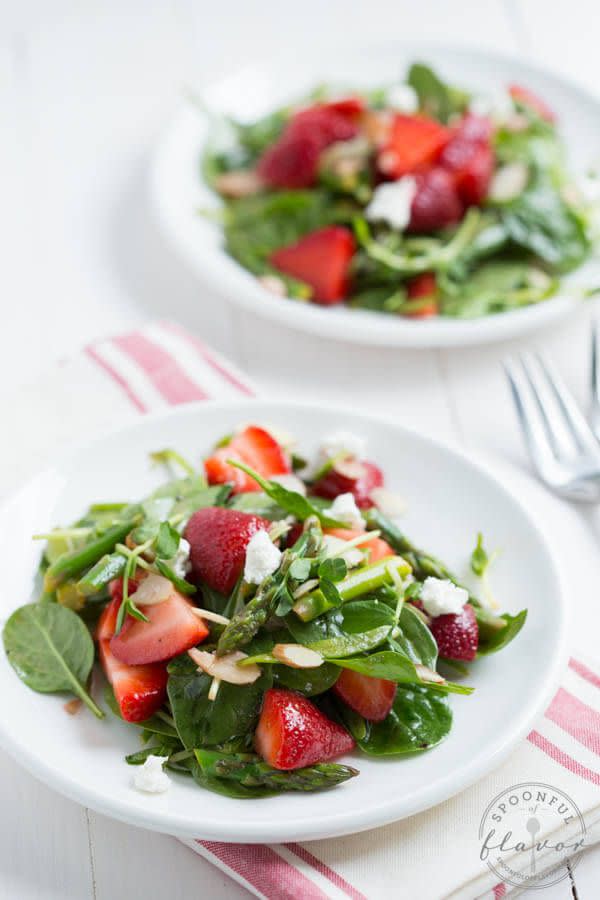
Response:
column 85, row 89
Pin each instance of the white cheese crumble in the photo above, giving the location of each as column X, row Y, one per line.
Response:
column 403, row 98
column 262, row 558
column 150, row 778
column 180, row 563
column 391, row 202
column 291, row 483
column 344, row 509
column 440, row 597
column 340, row 442
column 499, row 106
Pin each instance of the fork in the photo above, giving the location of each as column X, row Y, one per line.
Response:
column 563, row 447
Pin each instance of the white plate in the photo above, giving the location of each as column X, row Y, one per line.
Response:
column 449, row 500
column 179, row 192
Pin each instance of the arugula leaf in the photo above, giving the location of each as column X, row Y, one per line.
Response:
column 167, row 541
column 293, row 503
column 51, row 650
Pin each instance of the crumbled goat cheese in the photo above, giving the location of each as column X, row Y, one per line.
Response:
column 391, row 202
column 344, row 509
column 290, row 483
column 150, row 777
column 499, row 106
column 180, row 563
column 344, row 442
column 262, row 558
column 403, row 98
column 439, row 597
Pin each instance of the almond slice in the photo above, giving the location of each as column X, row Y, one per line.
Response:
column 226, row 668
column 152, row 590
column 210, row 616
column 305, row 588
column 427, row 674
column 296, row 656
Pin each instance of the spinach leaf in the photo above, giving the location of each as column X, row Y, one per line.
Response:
column 259, row 504
column 415, row 638
column 495, row 640
column 310, row 682
column 349, row 645
column 201, row 722
column 395, row 667
column 167, row 541
column 225, row 786
column 154, row 725
column 435, row 98
column 419, row 720
column 51, row 650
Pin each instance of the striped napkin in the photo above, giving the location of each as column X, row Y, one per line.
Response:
column 162, row 365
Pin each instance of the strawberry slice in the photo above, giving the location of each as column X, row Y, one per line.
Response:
column 378, row 548
column 526, row 97
column 436, row 203
column 293, row 160
column 322, row 260
column 422, row 286
column 413, row 142
column 351, row 107
column 457, row 634
column 469, row 157
column 371, row 698
column 171, row 628
column 218, row 539
column 139, row 690
column 292, row 732
column 253, row 446
column 350, row 477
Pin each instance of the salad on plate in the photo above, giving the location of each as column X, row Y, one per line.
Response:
column 418, row 199
column 256, row 619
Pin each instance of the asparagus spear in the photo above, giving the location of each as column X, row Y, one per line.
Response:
column 69, row 565
column 108, row 567
column 253, row 616
column 358, row 582
column 250, row 771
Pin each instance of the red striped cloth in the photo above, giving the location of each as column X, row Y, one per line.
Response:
column 163, row 365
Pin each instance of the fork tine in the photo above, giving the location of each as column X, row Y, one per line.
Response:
column 595, row 379
column 573, row 417
column 530, row 419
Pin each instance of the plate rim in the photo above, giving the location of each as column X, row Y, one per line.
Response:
column 238, row 287
column 153, row 818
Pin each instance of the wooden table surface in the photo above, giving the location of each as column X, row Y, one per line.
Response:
column 85, row 90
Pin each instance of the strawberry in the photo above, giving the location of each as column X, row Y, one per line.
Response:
column 350, row 477
column 293, row 160
column 413, row 142
column 322, row 260
column 525, row 97
column 139, row 690
column 171, row 628
column 371, row 698
column 436, row 203
column 292, row 732
column 350, row 107
column 457, row 634
column 218, row 539
column 253, row 446
column 424, row 285
column 378, row 548
column 470, row 159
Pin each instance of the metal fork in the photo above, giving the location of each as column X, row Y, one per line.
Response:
column 564, row 448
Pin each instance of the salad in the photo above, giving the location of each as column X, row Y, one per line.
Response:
column 257, row 619
column 417, row 200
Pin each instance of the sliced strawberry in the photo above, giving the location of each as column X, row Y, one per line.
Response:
column 527, row 98
column 470, row 159
column 436, row 203
column 413, row 142
column 457, row 635
column 218, row 539
column 423, row 286
column 321, row 259
column 171, row 629
column 253, row 446
column 371, row 698
column 293, row 160
column 351, row 107
column 292, row 732
column 477, row 129
column 377, row 547
column 139, row 690
column 350, row 477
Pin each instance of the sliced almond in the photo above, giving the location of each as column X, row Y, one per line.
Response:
column 214, row 689
column 296, row 656
column 305, row 588
column 388, row 502
column 152, row 590
column 239, row 183
column 427, row 674
column 210, row 616
column 350, row 468
column 273, row 284
column 226, row 668
column 509, row 181
column 73, row 706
